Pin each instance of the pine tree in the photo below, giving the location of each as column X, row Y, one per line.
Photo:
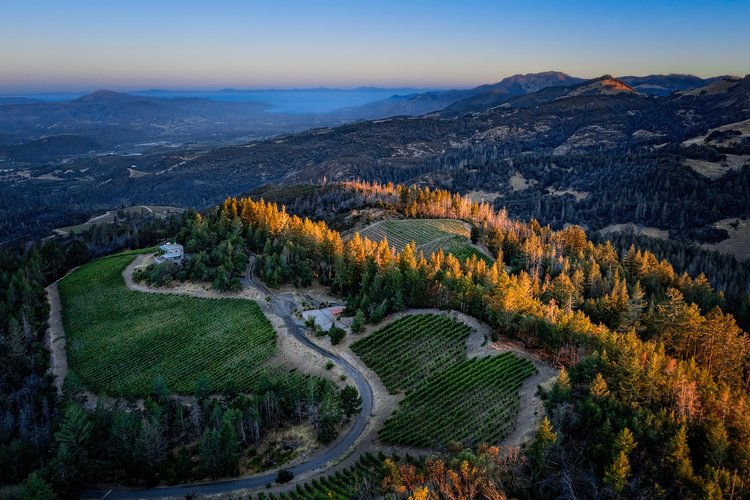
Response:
column 598, row 387
column 544, row 439
column 624, row 442
column 678, row 454
column 123, row 432
column 616, row 474
column 717, row 443
column 329, row 417
column 358, row 325
column 350, row 401
column 36, row 488
column 71, row 464
column 229, row 444
column 209, row 453
column 150, row 448
column 561, row 390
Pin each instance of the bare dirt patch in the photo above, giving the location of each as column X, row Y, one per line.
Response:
column 56, row 338
column 135, row 173
column 715, row 88
column 109, row 217
column 314, row 296
column 743, row 127
column 292, row 352
column 607, row 86
column 281, row 446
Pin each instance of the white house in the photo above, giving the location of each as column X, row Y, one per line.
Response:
column 173, row 252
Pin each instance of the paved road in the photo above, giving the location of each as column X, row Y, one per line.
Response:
column 282, row 307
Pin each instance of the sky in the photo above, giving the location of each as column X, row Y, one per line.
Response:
column 79, row 45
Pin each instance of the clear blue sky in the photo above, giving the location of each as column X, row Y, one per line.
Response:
column 211, row 44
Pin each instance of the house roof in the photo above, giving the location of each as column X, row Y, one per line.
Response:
column 171, row 247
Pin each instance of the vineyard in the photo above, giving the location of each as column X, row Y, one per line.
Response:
column 409, row 350
column 474, row 401
column 428, row 234
column 119, row 340
column 471, row 401
column 362, row 480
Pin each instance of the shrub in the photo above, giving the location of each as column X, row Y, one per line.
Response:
column 284, row 476
column 337, row 334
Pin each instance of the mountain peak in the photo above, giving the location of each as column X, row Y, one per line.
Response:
column 604, row 85
column 525, row 83
column 105, row 95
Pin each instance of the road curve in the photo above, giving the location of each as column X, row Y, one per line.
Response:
column 339, row 447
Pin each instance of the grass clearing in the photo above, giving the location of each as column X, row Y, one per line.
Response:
column 119, row 340
column 738, row 243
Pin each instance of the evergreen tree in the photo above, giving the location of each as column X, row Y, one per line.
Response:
column 229, row 444
column 598, row 387
column 150, row 449
column 209, row 453
column 36, row 488
column 678, row 455
column 328, row 418
column 561, row 390
column 358, row 325
column 71, row 464
column 544, row 439
column 350, row 401
column 616, row 474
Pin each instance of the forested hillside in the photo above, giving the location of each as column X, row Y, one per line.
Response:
column 654, row 396
column 654, row 399
column 580, row 154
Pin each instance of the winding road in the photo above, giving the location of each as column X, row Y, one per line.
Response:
column 283, row 308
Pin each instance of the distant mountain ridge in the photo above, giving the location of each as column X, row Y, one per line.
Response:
column 105, row 120
column 512, row 86
column 509, row 90
column 666, row 84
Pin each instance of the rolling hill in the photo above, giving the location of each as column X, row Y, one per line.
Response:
column 598, row 137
